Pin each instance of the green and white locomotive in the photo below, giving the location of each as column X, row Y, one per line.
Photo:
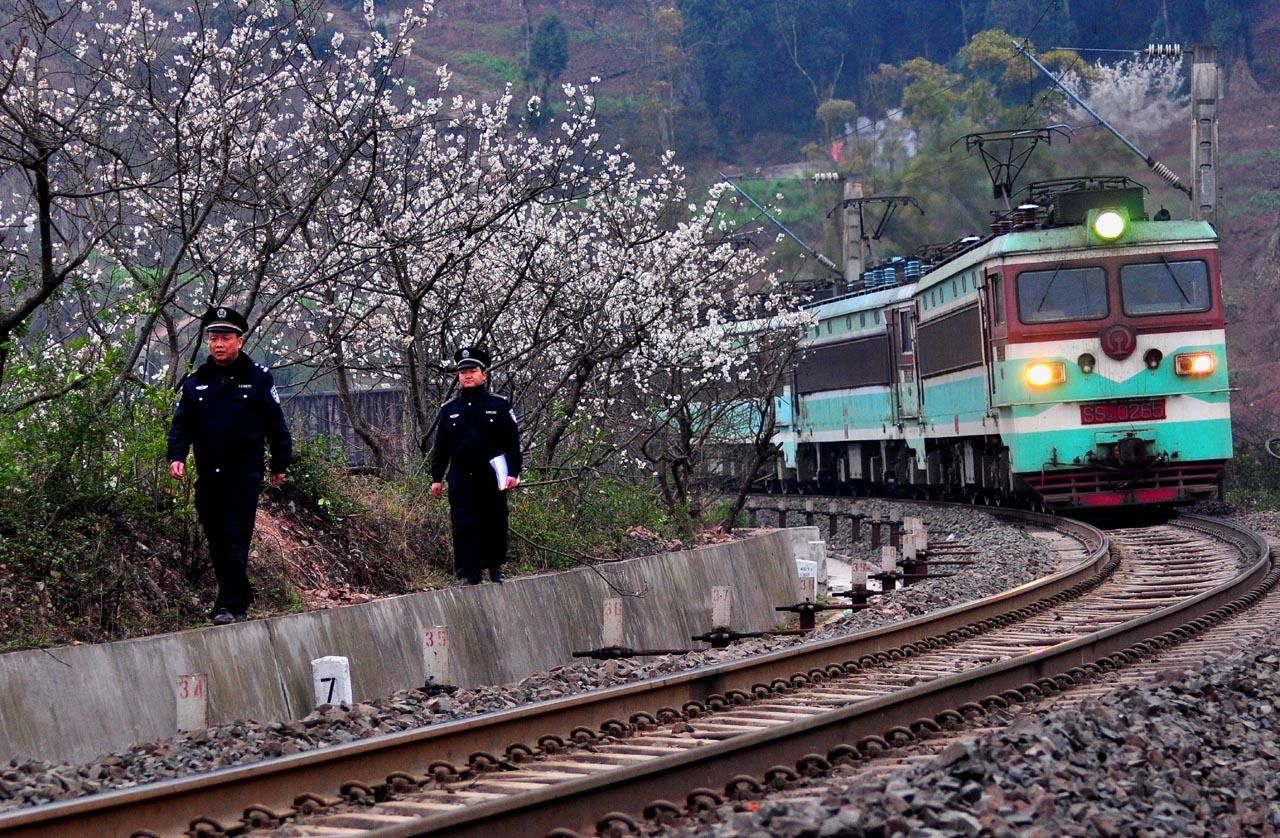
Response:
column 1075, row 357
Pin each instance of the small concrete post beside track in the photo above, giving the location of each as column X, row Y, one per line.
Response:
column 818, row 553
column 808, row 513
column 807, row 570
column 435, row 653
column 888, row 559
column 331, row 677
column 612, row 631
column 875, row 532
column 721, row 606
column 888, row 574
column 191, row 694
column 833, row 520
column 782, row 516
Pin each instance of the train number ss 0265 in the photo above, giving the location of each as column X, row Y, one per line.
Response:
column 1136, row 410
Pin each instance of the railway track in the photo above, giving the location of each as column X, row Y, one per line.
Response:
column 730, row 729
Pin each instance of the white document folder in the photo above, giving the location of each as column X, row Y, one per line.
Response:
column 499, row 464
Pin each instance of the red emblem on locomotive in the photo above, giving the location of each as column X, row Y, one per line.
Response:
column 1118, row 341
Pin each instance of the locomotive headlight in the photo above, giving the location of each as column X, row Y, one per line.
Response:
column 1194, row 363
column 1108, row 225
column 1044, row 373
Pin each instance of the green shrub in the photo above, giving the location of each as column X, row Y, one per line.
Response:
column 556, row 525
column 318, row 479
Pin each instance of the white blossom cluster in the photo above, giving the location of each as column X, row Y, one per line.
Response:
column 1139, row 97
column 274, row 158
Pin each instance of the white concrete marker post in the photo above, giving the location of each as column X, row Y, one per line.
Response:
column 888, row 559
column 721, row 606
column 331, row 677
column 808, row 573
column 435, row 651
column 614, row 632
column 818, row 553
column 192, row 701
column 909, row 546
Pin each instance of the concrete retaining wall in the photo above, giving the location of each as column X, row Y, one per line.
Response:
column 77, row 702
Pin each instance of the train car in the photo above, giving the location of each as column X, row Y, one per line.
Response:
column 1074, row 357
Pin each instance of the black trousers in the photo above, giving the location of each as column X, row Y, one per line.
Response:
column 478, row 518
column 227, row 507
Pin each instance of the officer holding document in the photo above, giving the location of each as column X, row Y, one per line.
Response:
column 478, row 446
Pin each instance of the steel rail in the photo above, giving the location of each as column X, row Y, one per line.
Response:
column 167, row 808
column 577, row 803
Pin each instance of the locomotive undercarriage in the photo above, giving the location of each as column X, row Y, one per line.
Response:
column 971, row 469
column 976, row 470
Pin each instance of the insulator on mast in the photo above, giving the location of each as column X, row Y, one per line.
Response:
column 1163, row 51
column 1165, row 172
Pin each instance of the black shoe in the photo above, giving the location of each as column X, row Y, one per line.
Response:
column 223, row 617
column 496, row 576
column 240, row 616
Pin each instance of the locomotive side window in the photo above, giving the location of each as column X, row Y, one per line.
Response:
column 1062, row 294
column 1165, row 288
column 904, row 329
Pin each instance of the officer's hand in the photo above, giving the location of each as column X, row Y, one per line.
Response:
column 511, row 483
column 437, row 490
column 177, row 469
column 277, row 479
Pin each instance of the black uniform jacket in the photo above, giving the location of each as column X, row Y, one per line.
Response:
column 474, row 428
column 228, row 413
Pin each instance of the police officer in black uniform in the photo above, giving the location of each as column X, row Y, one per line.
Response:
column 478, row 444
column 228, row 410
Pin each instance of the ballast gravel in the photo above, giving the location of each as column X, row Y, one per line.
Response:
column 1196, row 755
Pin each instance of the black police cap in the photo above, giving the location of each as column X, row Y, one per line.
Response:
column 470, row 356
column 223, row 319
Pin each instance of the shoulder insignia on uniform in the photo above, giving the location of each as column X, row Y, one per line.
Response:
column 454, row 415
column 202, row 386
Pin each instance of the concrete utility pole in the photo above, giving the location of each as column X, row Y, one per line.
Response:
column 852, row 240
column 1205, row 86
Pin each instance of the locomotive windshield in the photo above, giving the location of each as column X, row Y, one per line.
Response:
column 1165, row 287
column 1062, row 294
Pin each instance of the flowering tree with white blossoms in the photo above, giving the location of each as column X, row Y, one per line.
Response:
column 152, row 164
column 1140, row 97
